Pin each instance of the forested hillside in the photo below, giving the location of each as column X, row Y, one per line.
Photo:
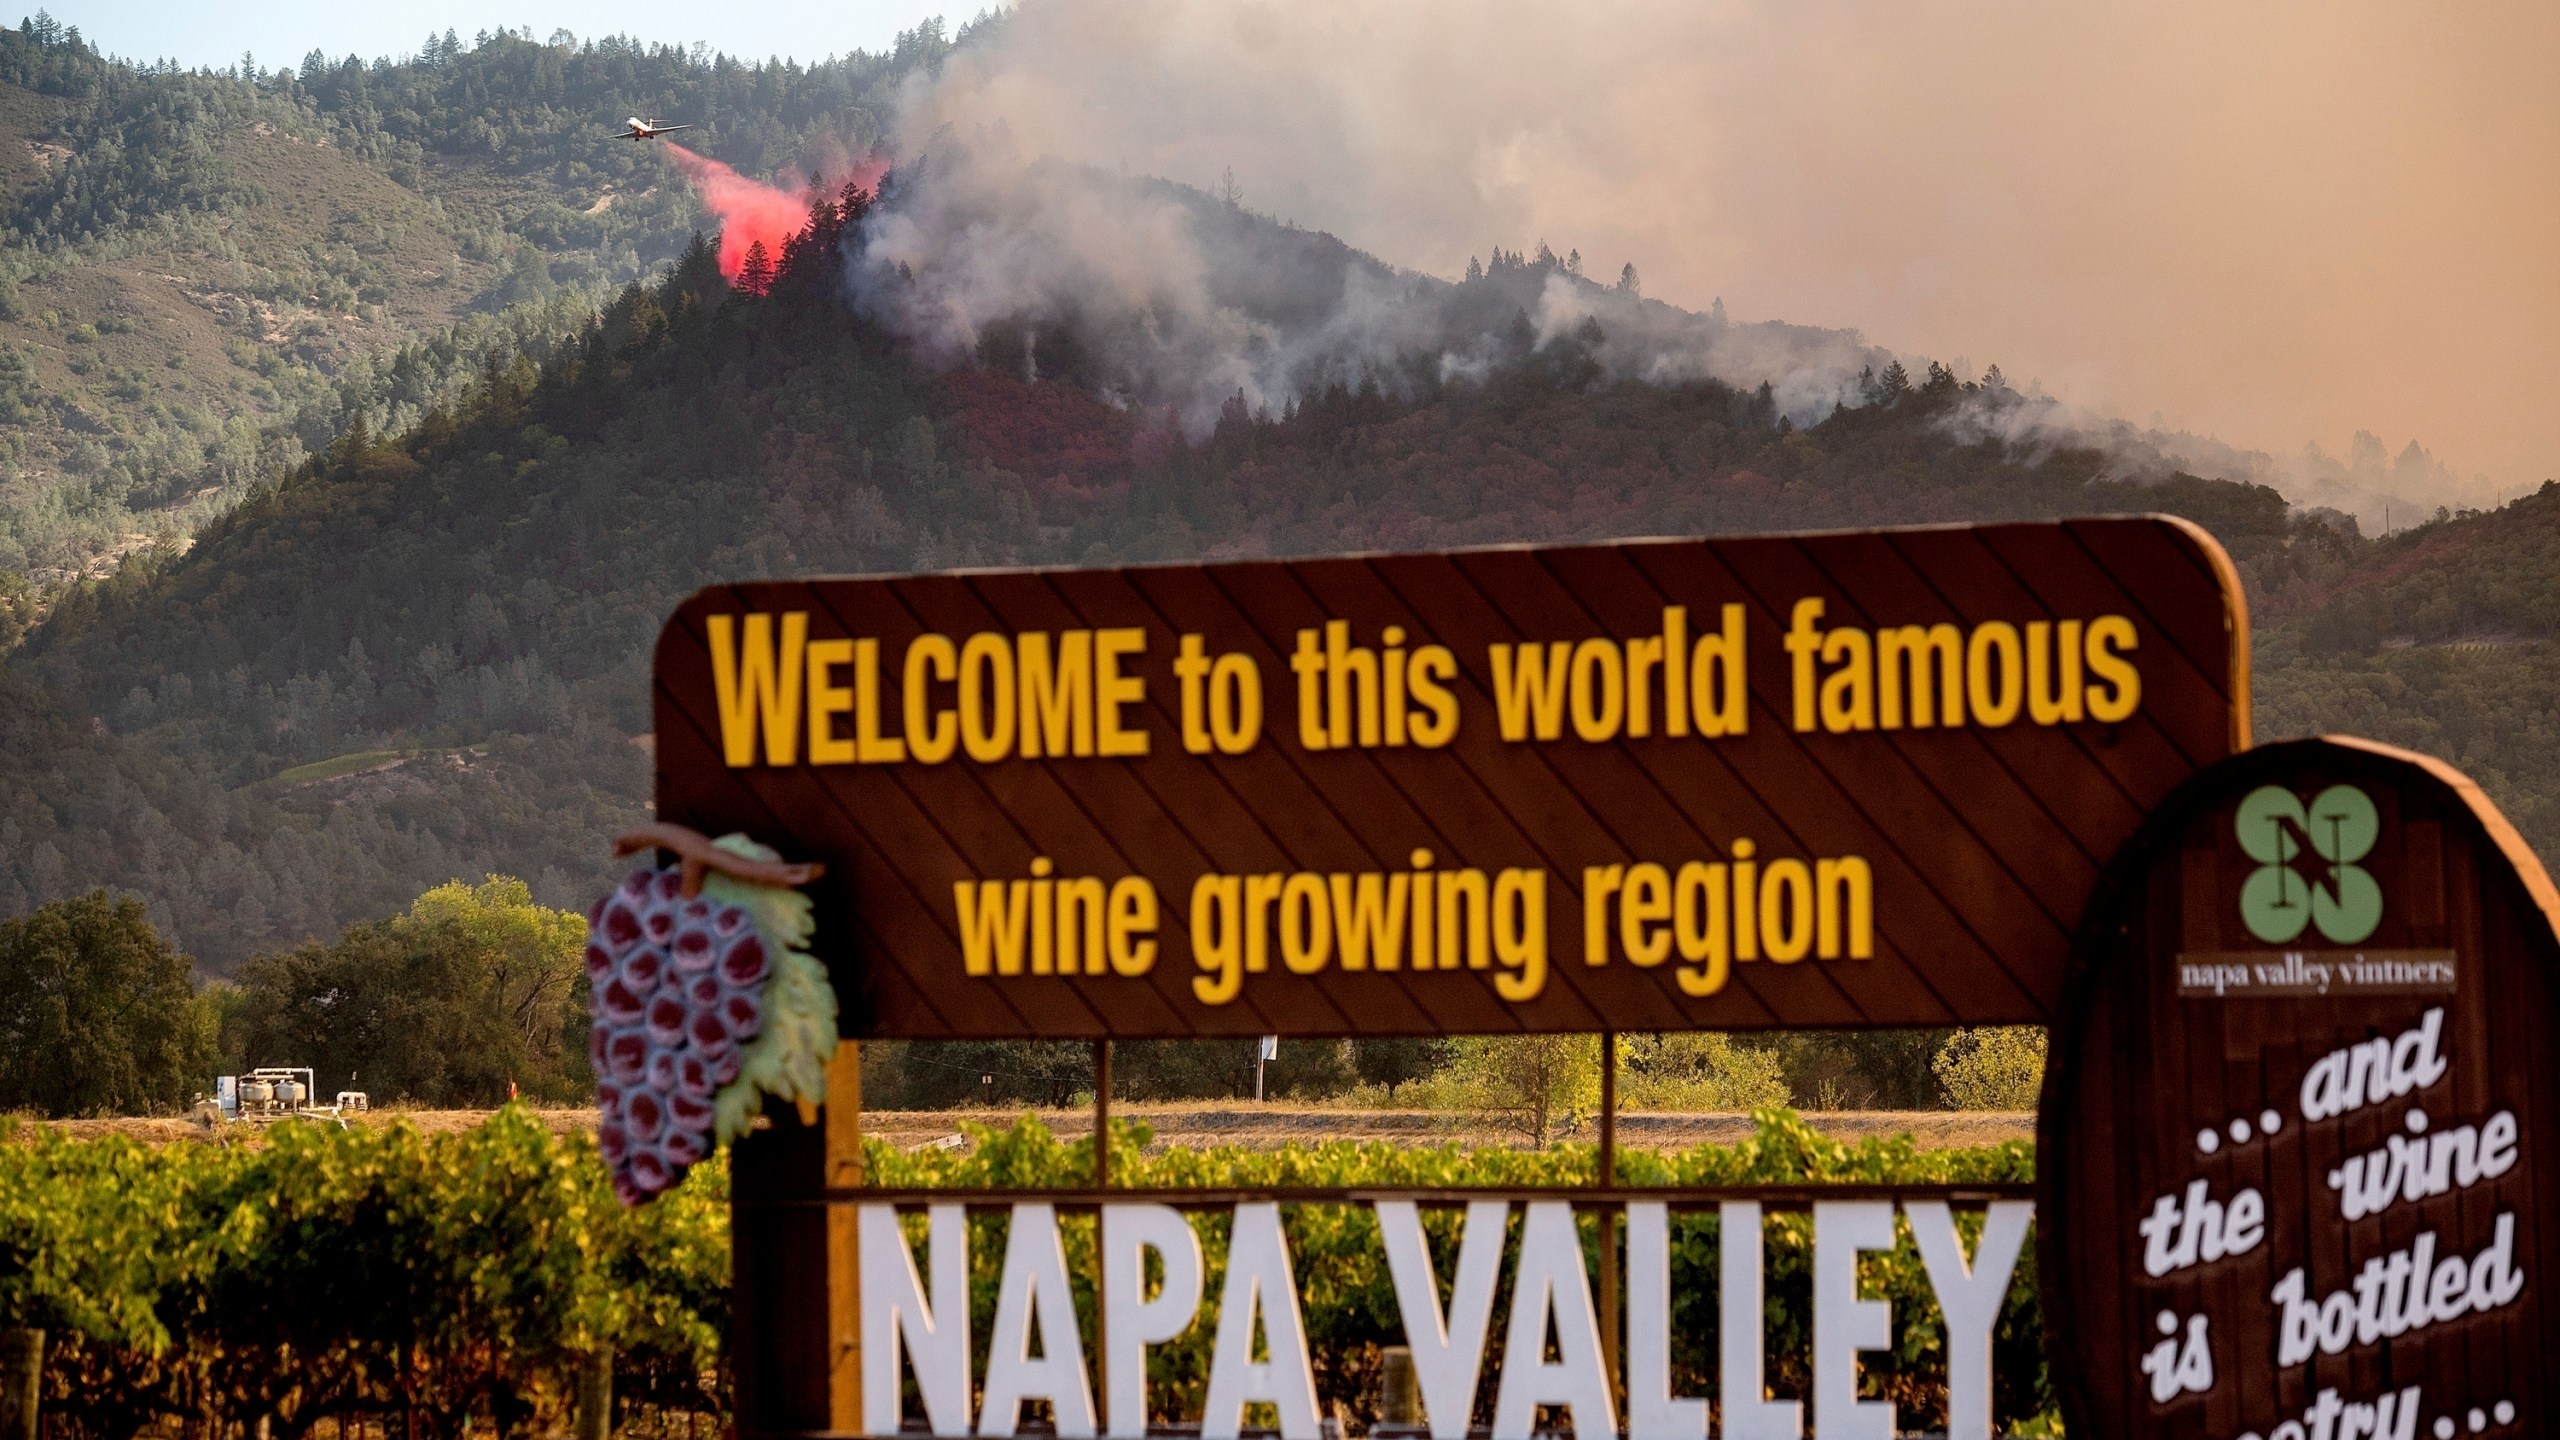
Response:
column 475, row 600
column 205, row 276
column 419, row 653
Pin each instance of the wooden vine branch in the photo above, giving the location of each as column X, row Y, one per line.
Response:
column 695, row 852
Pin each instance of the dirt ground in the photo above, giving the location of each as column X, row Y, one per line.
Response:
column 173, row 1129
column 1268, row 1127
column 1203, row 1124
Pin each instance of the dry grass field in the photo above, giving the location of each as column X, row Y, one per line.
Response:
column 1203, row 1124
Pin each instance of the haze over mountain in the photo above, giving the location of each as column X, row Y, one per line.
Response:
column 2280, row 225
column 409, row 641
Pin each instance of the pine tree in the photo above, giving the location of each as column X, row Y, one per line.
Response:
column 755, row 275
column 1475, row 271
column 1627, row 282
column 1895, row 384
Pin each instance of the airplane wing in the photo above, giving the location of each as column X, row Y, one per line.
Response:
column 668, row 129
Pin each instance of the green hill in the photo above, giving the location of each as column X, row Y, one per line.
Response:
column 494, row 577
column 205, row 276
column 409, row 640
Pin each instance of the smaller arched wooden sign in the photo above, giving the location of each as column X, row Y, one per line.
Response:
column 2301, row 1140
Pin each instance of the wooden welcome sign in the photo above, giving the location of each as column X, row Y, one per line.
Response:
column 1832, row 780
column 1807, row 781
column 2297, row 1171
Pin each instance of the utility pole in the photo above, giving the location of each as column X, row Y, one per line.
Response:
column 1264, row 1054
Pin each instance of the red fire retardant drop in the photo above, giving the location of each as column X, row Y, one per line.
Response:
column 749, row 210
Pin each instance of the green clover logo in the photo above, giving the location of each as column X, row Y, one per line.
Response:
column 2289, row 889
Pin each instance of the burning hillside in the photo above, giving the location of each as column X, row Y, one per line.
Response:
column 751, row 212
column 1158, row 295
column 1160, row 298
column 1028, row 231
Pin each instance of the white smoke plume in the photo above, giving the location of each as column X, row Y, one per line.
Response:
column 1001, row 240
column 2271, row 222
column 2382, row 491
column 1163, row 297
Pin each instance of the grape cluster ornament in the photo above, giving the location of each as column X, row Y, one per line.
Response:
column 706, row 1000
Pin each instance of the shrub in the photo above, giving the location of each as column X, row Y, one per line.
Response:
column 1538, row 1086
column 1701, row 1070
column 1996, row 1068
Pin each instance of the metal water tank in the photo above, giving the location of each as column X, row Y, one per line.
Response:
column 254, row 1091
column 291, row 1094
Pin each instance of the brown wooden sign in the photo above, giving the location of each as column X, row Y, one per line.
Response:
column 1818, row 780
column 2299, row 1173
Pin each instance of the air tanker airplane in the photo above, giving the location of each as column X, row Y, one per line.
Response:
column 636, row 128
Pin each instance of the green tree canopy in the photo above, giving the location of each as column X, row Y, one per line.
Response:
column 475, row 987
column 96, row 1012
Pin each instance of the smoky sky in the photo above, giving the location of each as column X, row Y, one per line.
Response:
column 2278, row 224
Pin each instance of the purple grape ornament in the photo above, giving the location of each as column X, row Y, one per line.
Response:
column 678, row 987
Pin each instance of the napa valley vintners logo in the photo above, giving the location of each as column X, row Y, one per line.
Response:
column 2310, row 897
column 2308, row 875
